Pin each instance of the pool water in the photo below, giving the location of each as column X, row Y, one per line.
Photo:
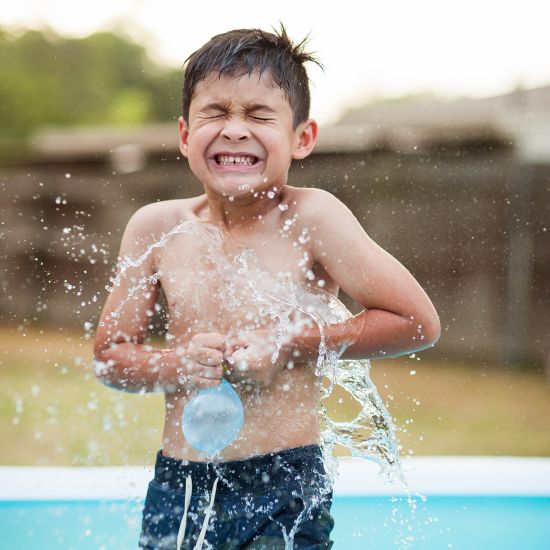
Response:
column 362, row 522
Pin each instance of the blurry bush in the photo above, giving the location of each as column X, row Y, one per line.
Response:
column 104, row 78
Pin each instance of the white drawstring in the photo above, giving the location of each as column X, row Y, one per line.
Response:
column 200, row 540
column 183, row 524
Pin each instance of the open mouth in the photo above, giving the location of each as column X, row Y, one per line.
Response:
column 236, row 160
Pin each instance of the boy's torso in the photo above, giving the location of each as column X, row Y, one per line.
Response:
column 211, row 280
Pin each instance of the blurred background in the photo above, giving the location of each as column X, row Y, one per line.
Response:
column 435, row 131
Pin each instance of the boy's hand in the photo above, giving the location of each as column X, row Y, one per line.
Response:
column 250, row 356
column 199, row 365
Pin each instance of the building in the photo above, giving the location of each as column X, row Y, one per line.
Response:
column 459, row 192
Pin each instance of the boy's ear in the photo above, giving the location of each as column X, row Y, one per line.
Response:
column 306, row 139
column 183, row 131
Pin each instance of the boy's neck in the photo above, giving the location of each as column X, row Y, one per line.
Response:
column 242, row 211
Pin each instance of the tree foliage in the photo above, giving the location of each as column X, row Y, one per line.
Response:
column 101, row 79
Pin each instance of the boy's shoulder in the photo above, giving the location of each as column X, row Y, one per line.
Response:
column 311, row 198
column 158, row 217
column 314, row 205
column 151, row 222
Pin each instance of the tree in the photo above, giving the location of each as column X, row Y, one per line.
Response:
column 101, row 79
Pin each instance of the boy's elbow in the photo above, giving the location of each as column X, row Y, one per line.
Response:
column 103, row 371
column 431, row 331
column 103, row 366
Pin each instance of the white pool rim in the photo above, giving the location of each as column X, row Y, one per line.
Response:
column 429, row 475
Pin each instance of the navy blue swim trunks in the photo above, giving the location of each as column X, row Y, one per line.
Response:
column 276, row 501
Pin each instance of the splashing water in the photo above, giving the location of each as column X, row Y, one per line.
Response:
column 280, row 302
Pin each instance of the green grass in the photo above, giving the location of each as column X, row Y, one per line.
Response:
column 53, row 411
column 467, row 409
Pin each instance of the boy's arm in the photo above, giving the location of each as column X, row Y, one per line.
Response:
column 121, row 360
column 399, row 317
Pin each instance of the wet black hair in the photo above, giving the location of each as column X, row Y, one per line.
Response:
column 245, row 51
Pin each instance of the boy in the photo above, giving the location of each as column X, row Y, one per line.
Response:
column 245, row 117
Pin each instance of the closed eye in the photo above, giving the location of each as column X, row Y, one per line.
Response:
column 261, row 118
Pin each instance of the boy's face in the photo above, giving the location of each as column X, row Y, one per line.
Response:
column 239, row 139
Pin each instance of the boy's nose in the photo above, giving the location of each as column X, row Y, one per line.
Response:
column 235, row 130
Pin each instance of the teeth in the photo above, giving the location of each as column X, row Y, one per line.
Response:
column 243, row 160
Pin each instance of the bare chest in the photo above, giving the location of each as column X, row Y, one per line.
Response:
column 213, row 285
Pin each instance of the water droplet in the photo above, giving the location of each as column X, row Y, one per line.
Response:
column 304, row 236
column 106, row 423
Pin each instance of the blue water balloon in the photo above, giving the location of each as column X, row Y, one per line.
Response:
column 213, row 418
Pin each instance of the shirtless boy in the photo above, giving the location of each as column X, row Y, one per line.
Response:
column 245, row 117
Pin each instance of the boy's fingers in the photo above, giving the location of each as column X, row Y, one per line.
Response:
column 212, row 373
column 205, row 382
column 239, row 360
column 205, row 371
column 208, row 356
column 237, row 341
column 228, row 352
column 209, row 340
column 237, row 353
column 204, row 355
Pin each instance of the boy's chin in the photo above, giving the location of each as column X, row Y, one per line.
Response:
column 243, row 188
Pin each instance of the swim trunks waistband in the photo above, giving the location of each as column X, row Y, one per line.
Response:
column 248, row 475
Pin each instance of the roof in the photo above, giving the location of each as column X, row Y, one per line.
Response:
column 520, row 119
